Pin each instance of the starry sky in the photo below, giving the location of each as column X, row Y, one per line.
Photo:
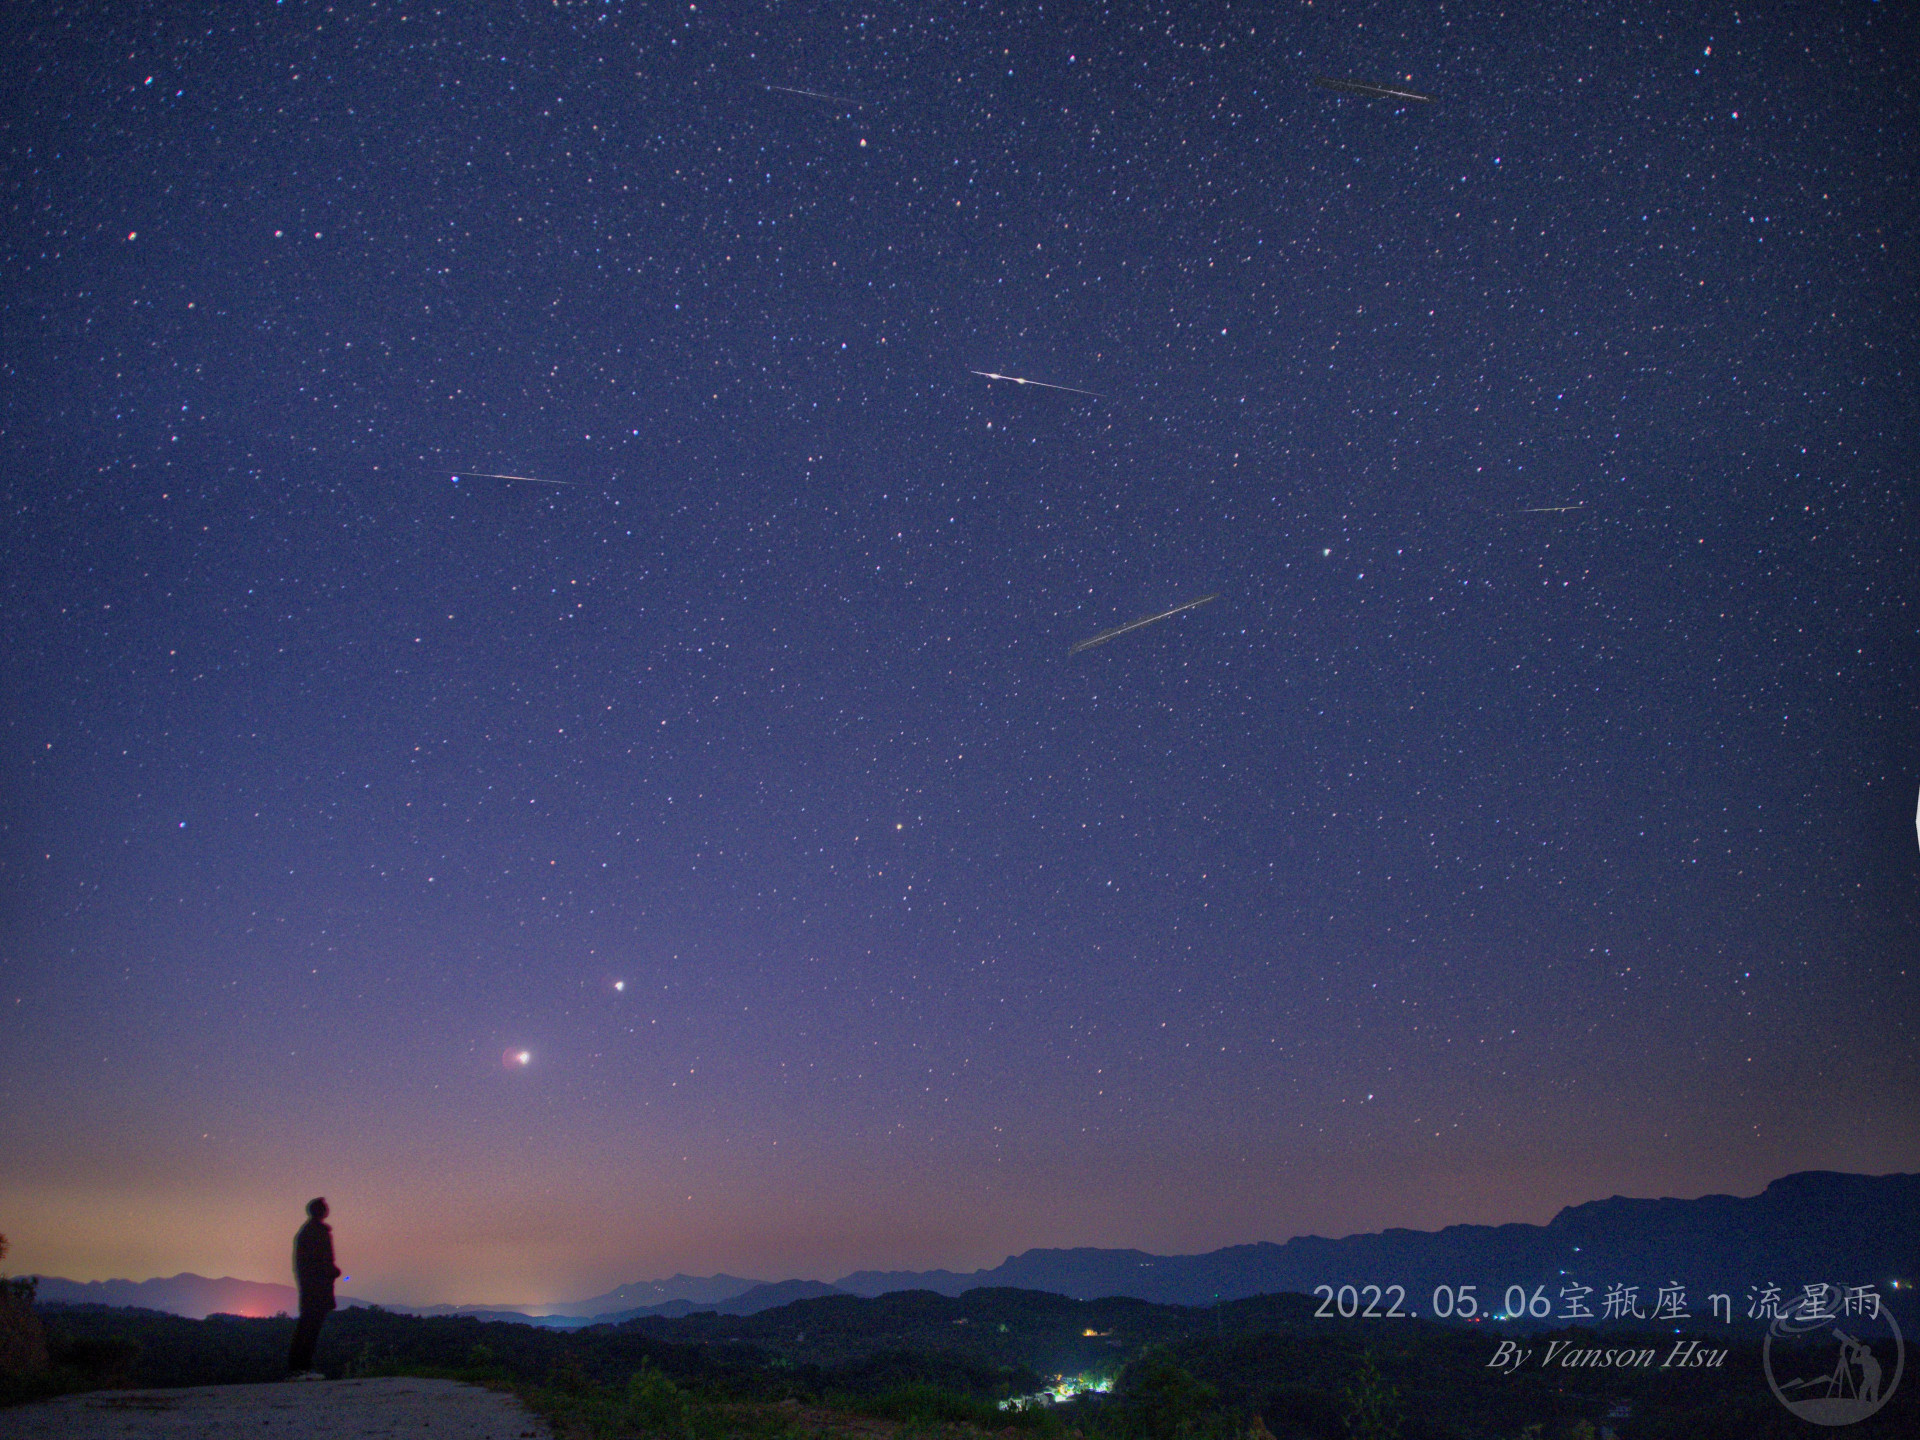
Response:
column 712, row 858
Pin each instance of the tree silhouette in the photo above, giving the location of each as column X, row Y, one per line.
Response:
column 1374, row 1411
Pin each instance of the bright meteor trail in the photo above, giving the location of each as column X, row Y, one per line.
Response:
column 1370, row 91
column 818, row 95
column 1106, row 635
column 989, row 375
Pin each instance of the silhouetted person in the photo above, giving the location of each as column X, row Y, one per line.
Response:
column 1859, row 1353
column 315, row 1271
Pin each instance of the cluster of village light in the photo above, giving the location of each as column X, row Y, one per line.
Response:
column 1064, row 1387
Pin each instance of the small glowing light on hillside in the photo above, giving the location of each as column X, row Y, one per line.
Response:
column 517, row 1059
column 619, row 984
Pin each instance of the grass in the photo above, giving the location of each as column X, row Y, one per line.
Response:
column 653, row 1407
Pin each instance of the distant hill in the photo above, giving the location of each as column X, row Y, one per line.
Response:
column 751, row 1302
column 194, row 1296
column 697, row 1291
column 1817, row 1225
column 767, row 1297
column 682, row 1295
column 1813, row 1226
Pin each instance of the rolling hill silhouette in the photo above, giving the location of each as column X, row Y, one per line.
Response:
column 1813, row 1226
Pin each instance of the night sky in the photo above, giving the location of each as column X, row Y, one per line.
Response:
column 1465, row 858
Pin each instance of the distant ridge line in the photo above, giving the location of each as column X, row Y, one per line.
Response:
column 1807, row 1226
column 1811, row 1225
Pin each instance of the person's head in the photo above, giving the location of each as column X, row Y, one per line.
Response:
column 317, row 1207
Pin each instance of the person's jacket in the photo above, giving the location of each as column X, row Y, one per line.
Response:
column 313, row 1262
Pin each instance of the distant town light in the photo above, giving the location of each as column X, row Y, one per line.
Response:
column 1063, row 1388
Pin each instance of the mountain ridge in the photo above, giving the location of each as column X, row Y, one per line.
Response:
column 1805, row 1227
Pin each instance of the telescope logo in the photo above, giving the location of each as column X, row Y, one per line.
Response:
column 1833, row 1364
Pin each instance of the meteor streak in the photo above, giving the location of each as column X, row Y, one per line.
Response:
column 1116, row 632
column 1370, row 91
column 1550, row 509
column 1044, row 385
column 818, row 95
column 490, row 475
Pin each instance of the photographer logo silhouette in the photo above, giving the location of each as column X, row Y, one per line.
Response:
column 1836, row 1357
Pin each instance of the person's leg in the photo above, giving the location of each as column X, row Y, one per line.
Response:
column 306, row 1335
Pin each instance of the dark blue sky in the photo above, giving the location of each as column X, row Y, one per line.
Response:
column 1465, row 858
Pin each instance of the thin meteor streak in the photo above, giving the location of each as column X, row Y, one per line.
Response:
column 1116, row 632
column 819, row 95
column 1550, row 509
column 1043, row 384
column 1369, row 90
column 491, row 475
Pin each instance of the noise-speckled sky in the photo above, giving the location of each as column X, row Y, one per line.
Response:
column 706, row 852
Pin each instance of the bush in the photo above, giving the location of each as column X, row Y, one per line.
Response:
column 1159, row 1399
column 23, row 1342
column 1374, row 1411
column 921, row 1407
column 655, row 1403
column 100, row 1362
